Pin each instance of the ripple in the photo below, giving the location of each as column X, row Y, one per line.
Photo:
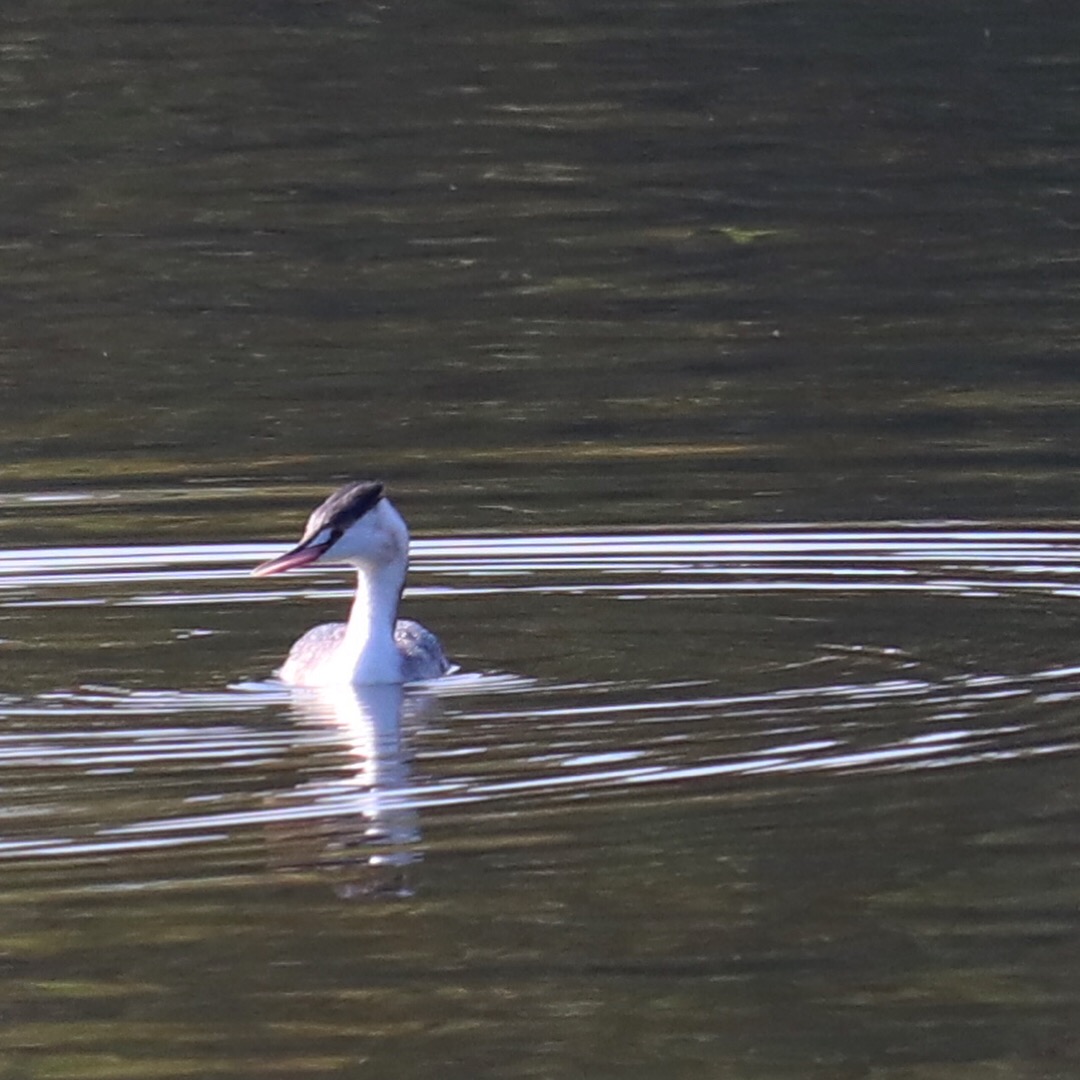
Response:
column 550, row 747
column 106, row 771
column 914, row 559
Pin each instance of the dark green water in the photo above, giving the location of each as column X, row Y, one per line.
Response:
column 721, row 356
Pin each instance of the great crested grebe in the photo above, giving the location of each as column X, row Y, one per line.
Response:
column 358, row 525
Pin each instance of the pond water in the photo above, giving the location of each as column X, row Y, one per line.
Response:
column 728, row 799
column 721, row 357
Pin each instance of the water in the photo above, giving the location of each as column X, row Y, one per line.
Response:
column 678, row 264
column 721, row 357
column 744, row 805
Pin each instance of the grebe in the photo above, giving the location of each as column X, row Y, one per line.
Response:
column 359, row 525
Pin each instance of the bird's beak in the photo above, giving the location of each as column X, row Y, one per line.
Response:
column 307, row 551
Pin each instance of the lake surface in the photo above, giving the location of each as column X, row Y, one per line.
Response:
column 748, row 808
column 722, row 358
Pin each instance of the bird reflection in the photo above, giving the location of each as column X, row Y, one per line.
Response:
column 362, row 830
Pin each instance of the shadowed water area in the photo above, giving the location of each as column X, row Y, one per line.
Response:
column 721, row 358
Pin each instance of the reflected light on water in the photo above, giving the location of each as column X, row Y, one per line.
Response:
column 377, row 764
column 913, row 559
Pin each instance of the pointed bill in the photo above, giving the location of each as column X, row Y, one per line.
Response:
column 304, row 553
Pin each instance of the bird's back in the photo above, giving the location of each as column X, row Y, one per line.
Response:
column 421, row 654
column 310, row 652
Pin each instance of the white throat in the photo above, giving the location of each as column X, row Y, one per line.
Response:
column 368, row 653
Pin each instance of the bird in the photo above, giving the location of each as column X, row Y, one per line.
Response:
column 359, row 526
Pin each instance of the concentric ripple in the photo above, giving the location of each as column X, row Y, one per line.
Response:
column 915, row 558
column 104, row 771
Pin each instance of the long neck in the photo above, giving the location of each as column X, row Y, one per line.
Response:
column 368, row 648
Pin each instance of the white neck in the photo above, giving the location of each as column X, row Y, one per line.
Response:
column 368, row 651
